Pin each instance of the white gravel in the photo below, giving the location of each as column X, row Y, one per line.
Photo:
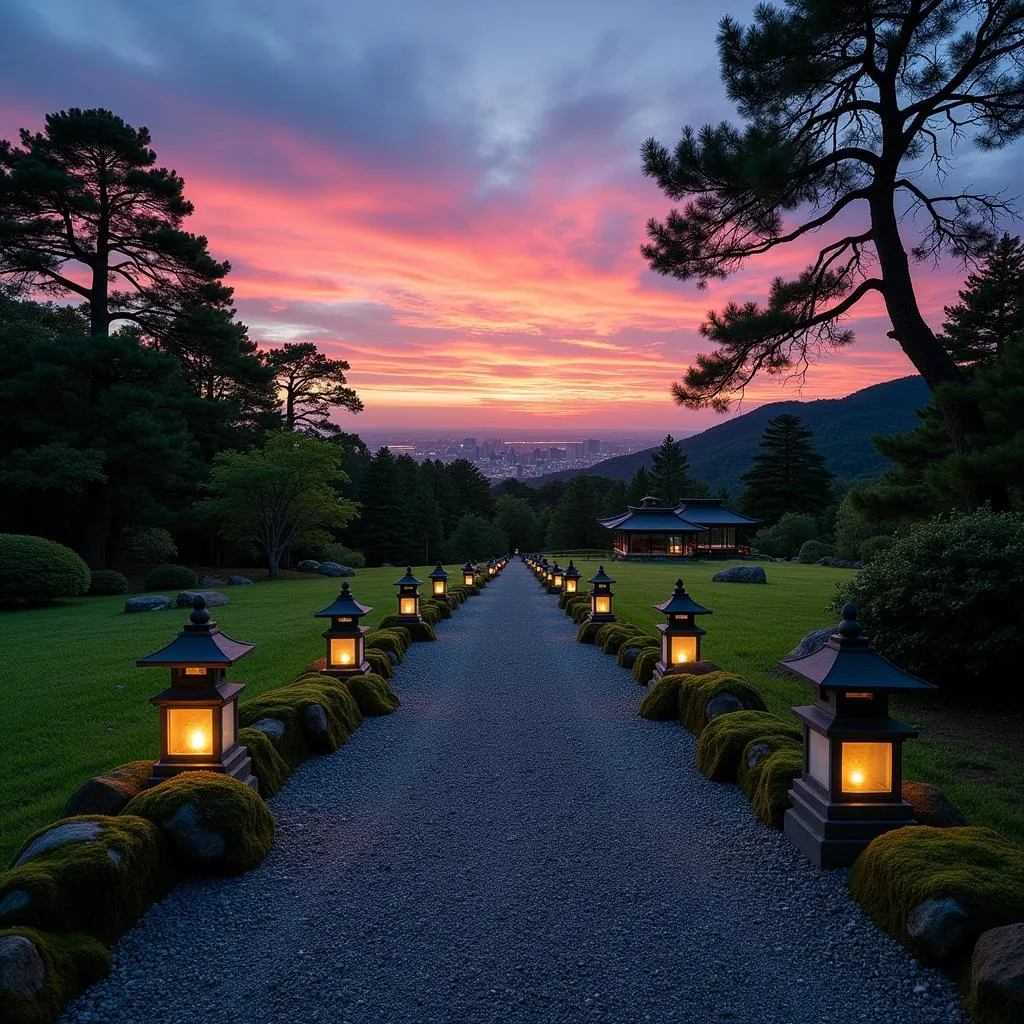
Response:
column 515, row 844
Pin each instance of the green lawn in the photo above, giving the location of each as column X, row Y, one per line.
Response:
column 75, row 705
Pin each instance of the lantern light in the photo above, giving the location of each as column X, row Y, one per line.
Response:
column 852, row 782
column 439, row 584
column 468, row 574
column 199, row 711
column 557, row 580
column 344, row 636
column 680, row 636
column 601, row 596
column 572, row 579
column 408, row 598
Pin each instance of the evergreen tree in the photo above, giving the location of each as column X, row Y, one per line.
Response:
column 475, row 539
column 990, row 315
column 640, row 487
column 517, row 519
column 787, row 475
column 472, row 489
column 311, row 386
column 669, row 472
column 573, row 524
column 384, row 526
column 614, row 500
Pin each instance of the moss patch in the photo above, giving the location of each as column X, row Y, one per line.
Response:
column 108, row 793
column 587, row 633
column 380, row 663
column 721, row 745
column 625, row 635
column 98, row 885
column 269, row 767
column 443, row 608
column 643, row 667
column 373, row 694
column 662, row 703
column 72, row 963
column 977, row 867
column 767, row 785
column 695, row 692
column 386, row 640
column 422, row 632
column 213, row 823
column 579, row 612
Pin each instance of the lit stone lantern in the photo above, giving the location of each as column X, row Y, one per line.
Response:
column 851, row 788
column 572, row 579
column 601, row 596
column 199, row 711
column 408, row 598
column 439, row 584
column 542, row 571
column 345, row 647
column 492, row 568
column 680, row 635
column 469, row 574
column 557, row 580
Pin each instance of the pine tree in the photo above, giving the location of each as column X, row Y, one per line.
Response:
column 787, row 475
column 311, row 386
column 573, row 524
column 669, row 476
column 639, row 487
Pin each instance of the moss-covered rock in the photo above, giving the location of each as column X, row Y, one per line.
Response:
column 768, row 783
column 721, row 745
column 422, row 632
column 48, row 971
column 931, row 806
column 92, row 874
column 386, row 640
column 644, row 664
column 697, row 692
column 110, row 792
column 213, row 823
column 380, row 663
column 628, row 634
column 977, row 867
column 607, row 629
column 580, row 613
column 269, row 767
column 373, row 694
column 587, row 633
column 443, row 608
column 662, row 702
column 327, row 711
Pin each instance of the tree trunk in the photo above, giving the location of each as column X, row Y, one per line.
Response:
column 95, row 527
column 962, row 415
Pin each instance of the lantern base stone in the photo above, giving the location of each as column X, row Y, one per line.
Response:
column 236, row 763
column 408, row 620
column 831, row 834
column 347, row 671
column 603, row 617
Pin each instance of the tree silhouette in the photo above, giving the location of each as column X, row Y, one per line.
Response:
column 311, row 385
column 845, row 106
column 84, row 212
column 669, row 472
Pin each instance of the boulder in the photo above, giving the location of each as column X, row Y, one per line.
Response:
column 741, row 574
column 272, row 728
column 238, row 581
column 308, row 565
column 211, row 581
column 627, row 655
column 336, row 569
column 108, row 793
column 938, row 928
column 213, row 598
column 997, row 974
column 149, row 603
column 931, row 806
column 722, row 704
column 22, row 971
column 811, row 642
column 58, row 835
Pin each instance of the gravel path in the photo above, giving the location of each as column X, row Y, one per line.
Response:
column 515, row 844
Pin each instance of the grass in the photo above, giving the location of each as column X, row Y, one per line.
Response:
column 75, row 705
column 972, row 754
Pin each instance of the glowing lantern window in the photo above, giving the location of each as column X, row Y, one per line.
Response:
column 343, row 650
column 867, row 767
column 438, row 587
column 601, row 596
column 603, row 605
column 189, row 731
column 468, row 574
column 407, row 606
column 684, row 649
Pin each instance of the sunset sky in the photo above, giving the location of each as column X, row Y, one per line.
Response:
column 446, row 193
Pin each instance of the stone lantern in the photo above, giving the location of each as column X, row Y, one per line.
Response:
column 601, row 596
column 408, row 598
column 344, row 636
column 851, row 787
column 572, row 579
column 199, row 710
column 680, row 635
column 557, row 580
column 469, row 574
column 439, row 584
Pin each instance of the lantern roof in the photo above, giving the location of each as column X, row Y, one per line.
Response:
column 680, row 603
column 555, row 568
column 408, row 580
column 572, row 572
column 600, row 576
column 200, row 643
column 344, row 605
column 847, row 661
column 469, row 567
column 438, row 573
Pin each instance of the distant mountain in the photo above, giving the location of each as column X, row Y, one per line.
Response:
column 843, row 429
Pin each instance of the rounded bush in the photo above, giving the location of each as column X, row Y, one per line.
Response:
column 872, row 547
column 812, row 550
column 170, row 577
column 34, row 570
column 945, row 601
column 105, row 582
column 212, row 822
column 768, row 786
column 147, row 544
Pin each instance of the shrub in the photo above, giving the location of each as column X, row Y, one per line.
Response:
column 385, row 640
column 587, row 633
column 37, row 571
column 71, row 964
column 170, row 577
column 373, row 694
column 767, row 787
column 721, row 745
column 105, row 582
column 945, row 601
column 213, row 823
column 812, row 550
column 626, row 633
column 977, row 867
column 344, row 556
column 379, row 662
column 696, row 692
column 643, row 668
column 785, row 538
column 422, row 631
column 579, row 612
column 269, row 767
column 78, row 885
column 662, row 702
column 443, row 608
column 872, row 547
column 151, row 544
column 430, row 614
